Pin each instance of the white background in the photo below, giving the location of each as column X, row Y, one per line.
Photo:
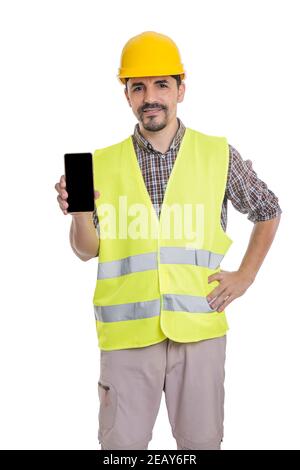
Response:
column 59, row 93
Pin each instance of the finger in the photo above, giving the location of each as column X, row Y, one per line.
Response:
column 63, row 204
column 215, row 293
column 217, row 299
column 64, row 194
column 211, row 301
column 224, row 304
column 211, row 297
column 215, row 277
column 63, row 181
column 96, row 194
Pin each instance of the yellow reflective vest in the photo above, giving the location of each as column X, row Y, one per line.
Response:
column 152, row 271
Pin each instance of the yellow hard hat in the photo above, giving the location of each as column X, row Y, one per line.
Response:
column 150, row 54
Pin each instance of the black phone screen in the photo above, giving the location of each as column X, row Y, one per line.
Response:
column 79, row 182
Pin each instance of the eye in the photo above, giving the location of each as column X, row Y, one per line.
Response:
column 163, row 85
column 136, row 88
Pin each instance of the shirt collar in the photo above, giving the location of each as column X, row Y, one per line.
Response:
column 146, row 145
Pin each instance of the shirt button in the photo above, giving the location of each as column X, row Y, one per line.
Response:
column 163, row 156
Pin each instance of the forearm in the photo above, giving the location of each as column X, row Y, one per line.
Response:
column 261, row 239
column 83, row 237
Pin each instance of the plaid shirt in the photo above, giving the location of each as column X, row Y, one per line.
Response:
column 247, row 193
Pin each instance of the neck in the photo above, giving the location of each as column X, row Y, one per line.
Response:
column 162, row 139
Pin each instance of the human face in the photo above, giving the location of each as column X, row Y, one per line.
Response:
column 154, row 100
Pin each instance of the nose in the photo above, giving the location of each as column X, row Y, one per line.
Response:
column 149, row 96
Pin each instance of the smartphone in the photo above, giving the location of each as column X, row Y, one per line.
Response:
column 79, row 182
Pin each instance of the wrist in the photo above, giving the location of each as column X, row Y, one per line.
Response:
column 247, row 273
column 81, row 215
column 82, row 218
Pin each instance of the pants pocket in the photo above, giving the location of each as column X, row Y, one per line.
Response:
column 108, row 406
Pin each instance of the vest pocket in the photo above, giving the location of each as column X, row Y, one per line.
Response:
column 108, row 406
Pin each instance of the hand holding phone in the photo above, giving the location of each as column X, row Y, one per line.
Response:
column 63, row 195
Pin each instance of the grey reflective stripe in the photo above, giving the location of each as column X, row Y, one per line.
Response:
column 147, row 261
column 186, row 303
column 131, row 264
column 131, row 311
column 181, row 255
column 151, row 308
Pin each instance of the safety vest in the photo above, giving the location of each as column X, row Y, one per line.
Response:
column 152, row 271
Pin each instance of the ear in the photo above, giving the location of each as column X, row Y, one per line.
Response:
column 127, row 96
column 181, row 92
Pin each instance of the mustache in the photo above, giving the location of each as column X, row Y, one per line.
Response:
column 145, row 108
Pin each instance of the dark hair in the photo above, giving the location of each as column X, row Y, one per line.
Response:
column 177, row 78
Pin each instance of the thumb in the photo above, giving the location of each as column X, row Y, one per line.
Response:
column 96, row 194
column 214, row 277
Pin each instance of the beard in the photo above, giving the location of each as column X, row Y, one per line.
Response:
column 155, row 122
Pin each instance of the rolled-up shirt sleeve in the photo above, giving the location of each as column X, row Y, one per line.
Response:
column 247, row 192
column 96, row 222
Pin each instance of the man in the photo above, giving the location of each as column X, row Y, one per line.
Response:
column 160, row 292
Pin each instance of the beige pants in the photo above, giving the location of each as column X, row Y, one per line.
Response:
column 131, row 385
